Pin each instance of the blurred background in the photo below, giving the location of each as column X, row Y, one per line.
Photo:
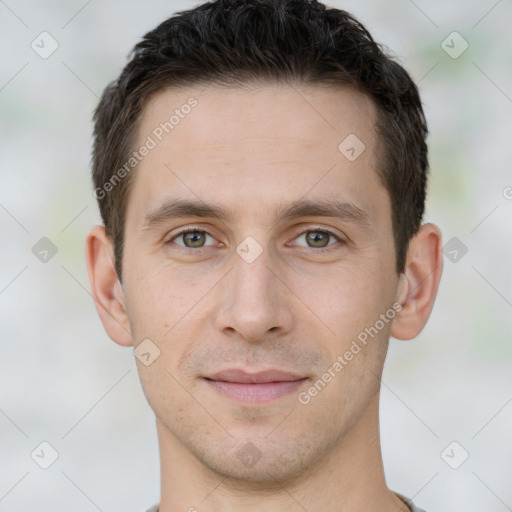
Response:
column 446, row 410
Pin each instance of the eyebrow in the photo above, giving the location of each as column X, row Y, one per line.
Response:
column 184, row 208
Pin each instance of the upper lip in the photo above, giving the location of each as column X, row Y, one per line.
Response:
column 243, row 377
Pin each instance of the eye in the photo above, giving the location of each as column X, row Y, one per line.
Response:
column 318, row 238
column 192, row 238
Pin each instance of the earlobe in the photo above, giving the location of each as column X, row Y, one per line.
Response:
column 419, row 283
column 105, row 287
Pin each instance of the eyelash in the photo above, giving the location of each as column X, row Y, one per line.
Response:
column 309, row 230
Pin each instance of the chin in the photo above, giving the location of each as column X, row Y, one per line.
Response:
column 260, row 460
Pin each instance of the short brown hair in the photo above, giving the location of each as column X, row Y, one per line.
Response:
column 230, row 42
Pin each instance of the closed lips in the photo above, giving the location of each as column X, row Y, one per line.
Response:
column 262, row 377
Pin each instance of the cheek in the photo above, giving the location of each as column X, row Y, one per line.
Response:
column 348, row 300
column 164, row 301
column 153, row 303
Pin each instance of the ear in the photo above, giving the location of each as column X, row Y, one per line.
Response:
column 105, row 286
column 419, row 282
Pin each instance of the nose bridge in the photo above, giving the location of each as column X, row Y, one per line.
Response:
column 252, row 302
column 253, row 283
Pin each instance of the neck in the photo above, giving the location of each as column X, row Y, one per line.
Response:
column 349, row 477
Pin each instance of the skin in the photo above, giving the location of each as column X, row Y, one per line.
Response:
column 252, row 150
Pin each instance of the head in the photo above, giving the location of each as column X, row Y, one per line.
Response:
column 302, row 145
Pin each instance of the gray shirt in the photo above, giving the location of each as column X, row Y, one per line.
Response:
column 409, row 502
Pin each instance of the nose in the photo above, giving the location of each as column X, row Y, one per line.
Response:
column 254, row 301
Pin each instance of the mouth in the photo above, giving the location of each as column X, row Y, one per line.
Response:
column 255, row 388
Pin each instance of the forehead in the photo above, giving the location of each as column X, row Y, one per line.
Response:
column 257, row 146
column 320, row 114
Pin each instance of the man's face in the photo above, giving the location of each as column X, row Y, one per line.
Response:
column 210, row 301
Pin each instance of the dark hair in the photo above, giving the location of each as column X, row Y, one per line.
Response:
column 231, row 42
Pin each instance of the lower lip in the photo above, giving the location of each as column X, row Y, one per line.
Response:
column 256, row 393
